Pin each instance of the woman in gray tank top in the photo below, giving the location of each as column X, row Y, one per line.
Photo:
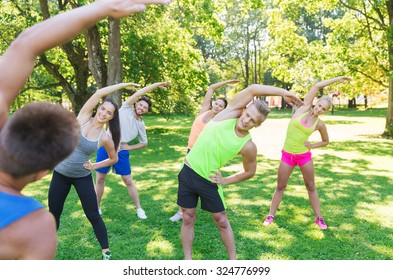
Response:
column 76, row 169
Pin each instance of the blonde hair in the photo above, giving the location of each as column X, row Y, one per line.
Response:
column 262, row 108
column 327, row 99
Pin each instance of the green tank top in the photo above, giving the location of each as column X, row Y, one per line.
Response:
column 216, row 145
column 297, row 133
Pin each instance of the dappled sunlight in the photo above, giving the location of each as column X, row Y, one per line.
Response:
column 264, row 235
column 346, row 227
column 107, row 191
column 233, row 167
column 77, row 214
column 336, row 195
column 383, row 250
column 159, row 196
column 286, row 240
column 255, row 235
column 164, row 166
column 293, row 190
column 315, row 233
column 273, row 256
column 301, row 216
column 160, row 248
column 350, row 161
column 376, row 214
column 382, row 163
column 236, row 199
column 180, row 149
column 38, row 188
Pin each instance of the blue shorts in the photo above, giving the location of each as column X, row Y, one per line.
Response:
column 121, row 167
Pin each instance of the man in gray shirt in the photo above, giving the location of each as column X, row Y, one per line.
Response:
column 131, row 126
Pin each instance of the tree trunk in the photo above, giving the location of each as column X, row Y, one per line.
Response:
column 352, row 103
column 97, row 65
column 77, row 93
column 247, row 59
column 389, row 118
column 114, row 58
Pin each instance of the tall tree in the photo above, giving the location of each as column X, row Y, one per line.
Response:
column 326, row 38
column 144, row 48
column 114, row 58
column 389, row 119
column 244, row 39
column 157, row 49
column 376, row 20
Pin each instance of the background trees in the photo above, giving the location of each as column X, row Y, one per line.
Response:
column 289, row 43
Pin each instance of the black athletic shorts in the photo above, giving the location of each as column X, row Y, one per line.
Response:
column 192, row 186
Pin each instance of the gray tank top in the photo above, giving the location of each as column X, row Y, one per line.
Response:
column 73, row 165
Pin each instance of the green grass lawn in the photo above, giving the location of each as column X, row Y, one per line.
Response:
column 354, row 180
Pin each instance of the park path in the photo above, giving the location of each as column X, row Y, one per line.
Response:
column 269, row 137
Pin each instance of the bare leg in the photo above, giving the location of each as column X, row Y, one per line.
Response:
column 187, row 231
column 284, row 171
column 221, row 221
column 132, row 190
column 309, row 181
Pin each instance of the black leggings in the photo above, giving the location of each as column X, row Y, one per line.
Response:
column 59, row 189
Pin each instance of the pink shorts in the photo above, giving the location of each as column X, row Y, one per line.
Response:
column 294, row 159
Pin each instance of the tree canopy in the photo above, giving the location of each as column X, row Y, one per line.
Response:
column 289, row 43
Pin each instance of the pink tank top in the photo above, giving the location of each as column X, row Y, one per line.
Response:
column 196, row 129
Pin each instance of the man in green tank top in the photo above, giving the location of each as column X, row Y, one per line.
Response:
column 225, row 136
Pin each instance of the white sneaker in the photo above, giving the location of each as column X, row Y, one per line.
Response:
column 99, row 211
column 177, row 216
column 141, row 214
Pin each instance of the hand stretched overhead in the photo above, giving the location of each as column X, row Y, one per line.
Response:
column 122, row 8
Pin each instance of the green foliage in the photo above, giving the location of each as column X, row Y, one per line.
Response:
column 291, row 43
column 170, row 57
column 322, row 39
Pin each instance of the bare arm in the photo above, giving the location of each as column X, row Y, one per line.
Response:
column 244, row 97
column 313, row 92
column 249, row 156
column 17, row 62
column 109, row 146
column 209, row 94
column 38, row 236
column 134, row 98
column 88, row 108
column 321, row 127
column 125, row 146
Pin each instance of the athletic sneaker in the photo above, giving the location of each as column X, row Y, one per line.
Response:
column 141, row 214
column 106, row 256
column 321, row 223
column 177, row 216
column 269, row 220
